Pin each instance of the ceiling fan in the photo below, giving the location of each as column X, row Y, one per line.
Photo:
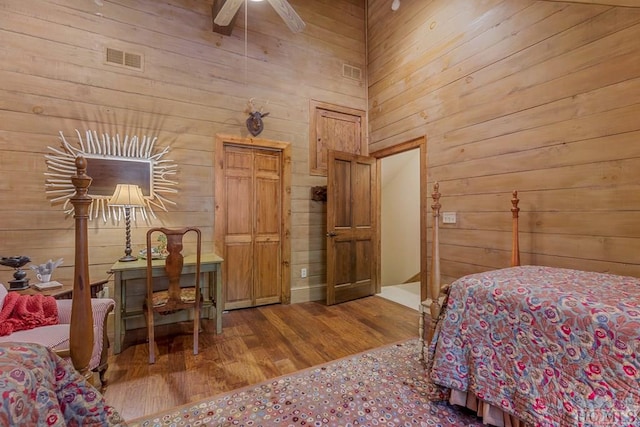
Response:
column 282, row 8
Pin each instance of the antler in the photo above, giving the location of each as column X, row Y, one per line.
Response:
column 252, row 106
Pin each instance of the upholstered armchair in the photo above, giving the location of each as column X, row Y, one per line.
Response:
column 56, row 336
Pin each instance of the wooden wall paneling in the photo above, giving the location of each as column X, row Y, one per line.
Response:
column 584, row 152
column 559, row 94
column 495, row 251
column 570, row 28
column 595, row 199
column 553, row 222
column 554, row 135
column 622, row 268
column 622, row 172
column 192, row 86
column 543, row 103
column 230, row 62
column 577, row 40
column 480, row 57
column 440, row 22
column 456, row 60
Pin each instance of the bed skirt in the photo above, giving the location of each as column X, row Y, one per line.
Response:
column 491, row 415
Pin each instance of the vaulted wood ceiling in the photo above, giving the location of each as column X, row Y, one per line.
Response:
column 226, row 30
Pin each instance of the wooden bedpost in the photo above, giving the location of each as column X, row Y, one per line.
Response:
column 81, row 334
column 432, row 303
column 515, row 242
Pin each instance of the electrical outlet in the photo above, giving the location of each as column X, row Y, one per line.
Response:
column 303, row 273
column 448, row 217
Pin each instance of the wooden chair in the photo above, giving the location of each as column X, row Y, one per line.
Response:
column 176, row 296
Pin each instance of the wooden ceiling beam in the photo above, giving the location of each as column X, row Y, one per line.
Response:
column 215, row 8
column 622, row 3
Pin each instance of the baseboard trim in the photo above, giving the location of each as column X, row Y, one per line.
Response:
column 315, row 293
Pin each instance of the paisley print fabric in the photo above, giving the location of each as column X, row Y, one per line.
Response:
column 555, row 347
column 38, row 388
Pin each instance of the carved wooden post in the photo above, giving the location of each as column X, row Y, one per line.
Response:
column 81, row 334
column 434, row 286
column 515, row 241
column 432, row 303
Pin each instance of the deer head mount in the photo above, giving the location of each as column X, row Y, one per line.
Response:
column 254, row 121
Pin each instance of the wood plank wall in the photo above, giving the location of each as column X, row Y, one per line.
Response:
column 535, row 96
column 194, row 85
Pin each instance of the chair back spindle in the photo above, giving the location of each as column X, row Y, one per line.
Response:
column 176, row 296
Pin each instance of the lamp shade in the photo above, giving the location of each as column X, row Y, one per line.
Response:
column 127, row 195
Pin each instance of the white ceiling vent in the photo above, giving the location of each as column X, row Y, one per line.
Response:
column 351, row 72
column 124, row 59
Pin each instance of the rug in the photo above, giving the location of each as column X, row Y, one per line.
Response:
column 381, row 387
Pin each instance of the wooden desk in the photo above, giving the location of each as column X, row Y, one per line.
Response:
column 130, row 277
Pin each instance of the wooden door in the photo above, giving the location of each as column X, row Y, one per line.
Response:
column 352, row 226
column 252, row 231
column 337, row 128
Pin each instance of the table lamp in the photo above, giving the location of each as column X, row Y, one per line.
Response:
column 127, row 196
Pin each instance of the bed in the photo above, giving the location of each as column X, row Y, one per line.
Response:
column 536, row 345
column 38, row 386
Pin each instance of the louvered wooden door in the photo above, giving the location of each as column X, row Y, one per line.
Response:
column 252, row 230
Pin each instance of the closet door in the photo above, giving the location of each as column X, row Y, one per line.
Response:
column 267, row 227
column 252, row 242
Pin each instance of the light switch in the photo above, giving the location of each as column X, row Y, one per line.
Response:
column 448, row 217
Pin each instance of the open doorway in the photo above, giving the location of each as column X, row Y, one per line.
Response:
column 403, row 222
column 400, row 228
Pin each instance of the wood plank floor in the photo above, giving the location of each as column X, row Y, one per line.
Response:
column 256, row 344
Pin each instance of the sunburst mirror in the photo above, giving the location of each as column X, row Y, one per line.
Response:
column 112, row 160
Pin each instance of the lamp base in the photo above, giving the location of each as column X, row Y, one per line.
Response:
column 128, row 258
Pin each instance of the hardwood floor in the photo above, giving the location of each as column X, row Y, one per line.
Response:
column 256, row 344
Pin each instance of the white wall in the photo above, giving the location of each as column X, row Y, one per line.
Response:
column 400, row 217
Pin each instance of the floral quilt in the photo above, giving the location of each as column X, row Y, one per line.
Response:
column 38, row 388
column 555, row 347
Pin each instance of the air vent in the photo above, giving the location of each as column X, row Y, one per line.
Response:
column 351, row 72
column 124, row 59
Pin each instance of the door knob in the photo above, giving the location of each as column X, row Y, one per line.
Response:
column 332, row 234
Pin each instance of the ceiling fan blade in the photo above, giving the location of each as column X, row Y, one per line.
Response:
column 227, row 12
column 289, row 16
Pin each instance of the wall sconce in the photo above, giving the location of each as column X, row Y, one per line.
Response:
column 127, row 196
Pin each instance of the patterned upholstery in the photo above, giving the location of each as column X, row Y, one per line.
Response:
column 57, row 336
column 187, row 295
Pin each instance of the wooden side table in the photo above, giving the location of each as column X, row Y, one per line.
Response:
column 65, row 291
column 129, row 282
